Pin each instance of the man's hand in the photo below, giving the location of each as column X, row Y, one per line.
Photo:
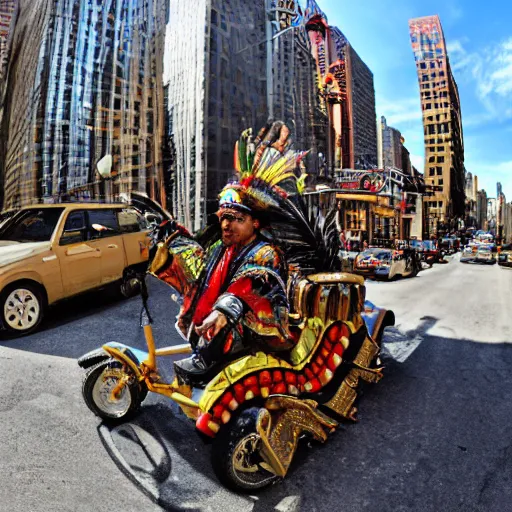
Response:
column 212, row 325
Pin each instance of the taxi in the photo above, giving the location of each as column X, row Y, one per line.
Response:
column 485, row 254
column 386, row 263
column 52, row 252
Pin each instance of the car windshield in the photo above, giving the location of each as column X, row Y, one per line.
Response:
column 31, row 225
column 379, row 254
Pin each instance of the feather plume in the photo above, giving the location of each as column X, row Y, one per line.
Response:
column 272, row 185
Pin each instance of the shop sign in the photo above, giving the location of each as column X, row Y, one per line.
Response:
column 367, row 181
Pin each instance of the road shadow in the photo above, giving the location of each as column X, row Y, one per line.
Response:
column 433, row 435
column 83, row 323
column 72, row 309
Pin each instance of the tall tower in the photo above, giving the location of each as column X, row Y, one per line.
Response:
column 87, row 82
column 229, row 65
column 442, row 123
column 7, row 19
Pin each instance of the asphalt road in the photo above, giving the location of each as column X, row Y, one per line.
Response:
column 434, row 435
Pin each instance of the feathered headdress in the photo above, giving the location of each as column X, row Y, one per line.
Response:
column 270, row 185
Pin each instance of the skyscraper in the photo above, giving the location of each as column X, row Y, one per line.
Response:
column 362, row 94
column 87, row 82
column 442, row 123
column 215, row 75
column 391, row 145
column 7, row 19
column 229, row 65
column 347, row 86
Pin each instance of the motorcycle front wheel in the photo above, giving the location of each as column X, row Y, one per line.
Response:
column 235, row 455
column 98, row 389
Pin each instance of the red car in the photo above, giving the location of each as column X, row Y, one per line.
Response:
column 431, row 253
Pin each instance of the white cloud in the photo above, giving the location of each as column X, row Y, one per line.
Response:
column 455, row 47
column 491, row 72
column 403, row 111
column 478, row 119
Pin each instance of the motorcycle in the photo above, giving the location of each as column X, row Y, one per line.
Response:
column 257, row 407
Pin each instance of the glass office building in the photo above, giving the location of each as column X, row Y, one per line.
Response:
column 228, row 68
column 87, row 82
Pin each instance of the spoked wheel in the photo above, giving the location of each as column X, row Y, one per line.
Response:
column 111, row 393
column 22, row 308
column 236, row 455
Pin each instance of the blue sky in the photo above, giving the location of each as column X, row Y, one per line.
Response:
column 479, row 40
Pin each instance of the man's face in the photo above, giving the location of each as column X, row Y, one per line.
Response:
column 237, row 227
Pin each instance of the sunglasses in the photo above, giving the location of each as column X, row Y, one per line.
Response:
column 231, row 217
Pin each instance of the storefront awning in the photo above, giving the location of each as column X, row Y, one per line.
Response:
column 366, row 198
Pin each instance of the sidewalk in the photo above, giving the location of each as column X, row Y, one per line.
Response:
column 51, row 454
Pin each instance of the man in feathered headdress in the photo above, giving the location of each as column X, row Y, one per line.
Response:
column 233, row 280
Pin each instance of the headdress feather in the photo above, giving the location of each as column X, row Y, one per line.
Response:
column 271, row 184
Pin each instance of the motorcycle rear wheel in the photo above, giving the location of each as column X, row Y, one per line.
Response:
column 235, row 457
column 97, row 387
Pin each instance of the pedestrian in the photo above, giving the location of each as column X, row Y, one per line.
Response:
column 343, row 241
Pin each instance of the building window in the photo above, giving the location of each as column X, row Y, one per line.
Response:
column 440, row 159
column 431, row 171
column 439, row 171
column 428, row 106
column 432, row 159
column 440, row 182
column 440, row 148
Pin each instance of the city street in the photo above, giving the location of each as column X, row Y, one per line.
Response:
column 434, row 435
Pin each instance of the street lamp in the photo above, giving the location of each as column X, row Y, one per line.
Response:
column 104, row 168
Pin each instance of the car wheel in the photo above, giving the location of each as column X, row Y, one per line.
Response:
column 23, row 308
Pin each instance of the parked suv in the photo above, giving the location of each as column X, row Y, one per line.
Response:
column 52, row 252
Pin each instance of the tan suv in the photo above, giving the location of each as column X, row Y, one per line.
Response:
column 52, row 252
